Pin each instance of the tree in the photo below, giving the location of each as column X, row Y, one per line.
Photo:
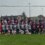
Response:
column 23, row 15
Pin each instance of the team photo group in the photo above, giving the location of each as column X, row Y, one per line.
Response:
column 20, row 25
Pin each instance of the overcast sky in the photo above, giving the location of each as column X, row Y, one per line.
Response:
column 34, row 11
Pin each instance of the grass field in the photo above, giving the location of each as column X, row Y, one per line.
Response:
column 33, row 39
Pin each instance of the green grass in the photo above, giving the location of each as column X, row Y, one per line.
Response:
column 22, row 39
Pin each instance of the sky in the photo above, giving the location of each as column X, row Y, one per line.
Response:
column 34, row 11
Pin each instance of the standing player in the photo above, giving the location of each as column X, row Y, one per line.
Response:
column 7, row 28
column 37, row 27
column 42, row 27
column 22, row 27
column 14, row 26
column 26, row 26
column 33, row 27
column 0, row 28
column 29, row 26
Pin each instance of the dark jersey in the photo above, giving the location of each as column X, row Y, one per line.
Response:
column 34, row 25
column 38, row 25
column 42, row 26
